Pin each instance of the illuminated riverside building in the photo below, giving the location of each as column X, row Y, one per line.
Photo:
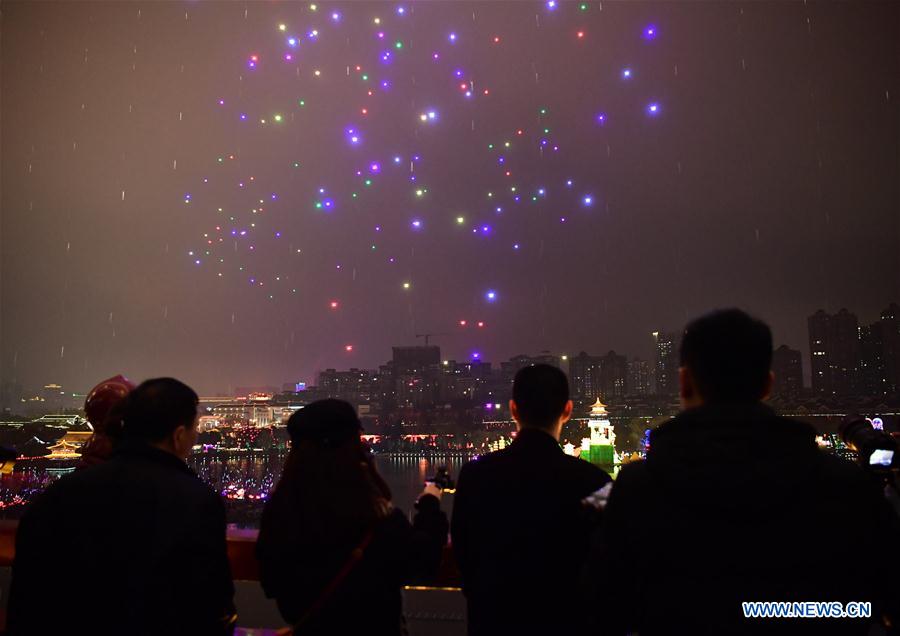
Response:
column 600, row 447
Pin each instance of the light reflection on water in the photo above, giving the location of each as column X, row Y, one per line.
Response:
column 246, row 480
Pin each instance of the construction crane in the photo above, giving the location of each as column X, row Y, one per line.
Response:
column 428, row 335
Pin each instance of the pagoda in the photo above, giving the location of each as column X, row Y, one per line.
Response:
column 601, row 445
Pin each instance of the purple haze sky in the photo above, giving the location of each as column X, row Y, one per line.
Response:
column 766, row 176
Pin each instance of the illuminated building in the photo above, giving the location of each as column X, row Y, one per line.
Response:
column 666, row 368
column 601, row 445
column 834, row 353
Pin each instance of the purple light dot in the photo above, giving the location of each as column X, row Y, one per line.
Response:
column 243, row 116
column 417, row 224
column 274, row 196
column 649, row 32
column 458, row 73
column 515, row 246
column 277, row 234
column 288, row 57
column 336, row 16
column 475, row 355
column 569, row 183
column 551, row 5
column 381, row 35
column 397, row 159
column 385, row 84
column 653, row 108
column 452, row 37
column 435, row 56
column 401, row 10
column 197, row 262
column 588, row 200
column 485, row 229
column 562, row 219
column 626, row 73
column 601, row 118
column 292, row 41
column 377, row 228
column 328, row 203
column 221, row 102
column 375, row 167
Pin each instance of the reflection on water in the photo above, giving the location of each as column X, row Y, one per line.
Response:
column 244, row 481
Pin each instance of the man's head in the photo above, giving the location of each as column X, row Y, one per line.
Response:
column 726, row 358
column 162, row 412
column 541, row 398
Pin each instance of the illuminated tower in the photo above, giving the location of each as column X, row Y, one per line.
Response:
column 603, row 438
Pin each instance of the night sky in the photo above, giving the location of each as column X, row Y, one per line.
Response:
column 183, row 195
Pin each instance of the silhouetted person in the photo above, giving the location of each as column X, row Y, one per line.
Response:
column 333, row 551
column 734, row 503
column 135, row 545
column 520, row 529
column 103, row 408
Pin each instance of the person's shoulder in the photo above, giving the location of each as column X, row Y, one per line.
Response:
column 478, row 466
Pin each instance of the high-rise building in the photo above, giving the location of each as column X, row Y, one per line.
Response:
column 416, row 358
column 585, row 376
column 834, row 353
column 787, row 365
column 666, row 362
column 890, row 321
column 879, row 348
column 639, row 377
column 613, row 376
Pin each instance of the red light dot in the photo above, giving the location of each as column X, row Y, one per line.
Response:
column 463, row 86
column 480, row 324
column 508, row 173
column 358, row 67
column 370, row 93
column 520, row 132
column 365, row 111
column 486, row 92
column 496, row 39
column 348, row 348
column 333, row 304
column 462, row 323
column 580, row 34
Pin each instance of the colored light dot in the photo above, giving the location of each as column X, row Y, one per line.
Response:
column 401, row 10
column 423, row 117
column 292, row 41
column 462, row 323
column 398, row 44
column 333, row 304
column 452, row 37
column 650, row 32
column 348, row 348
column 317, row 73
column 588, row 200
column 460, row 220
column 377, row 20
column 496, row 39
column 282, row 27
column 406, row 285
column 551, row 4
column 335, row 16
column 302, row 102
column 583, row 6
column 653, row 108
column 368, row 182
column 365, row 78
column 580, row 34
column 417, row 224
column 626, row 73
column 491, row 295
column 313, row 7
column 515, row 246
column 480, row 324
column 277, row 117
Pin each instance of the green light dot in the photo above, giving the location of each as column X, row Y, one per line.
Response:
column 368, row 182
column 543, row 111
column 583, row 6
column 365, row 78
column 398, row 44
column 534, row 198
column 277, row 117
column 318, row 205
column 546, row 131
column 354, row 195
column 303, row 102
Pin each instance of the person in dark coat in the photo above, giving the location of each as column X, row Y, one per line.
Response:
column 736, row 504
column 134, row 545
column 333, row 550
column 520, row 528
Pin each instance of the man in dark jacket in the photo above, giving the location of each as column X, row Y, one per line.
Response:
column 135, row 545
column 736, row 504
column 520, row 528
